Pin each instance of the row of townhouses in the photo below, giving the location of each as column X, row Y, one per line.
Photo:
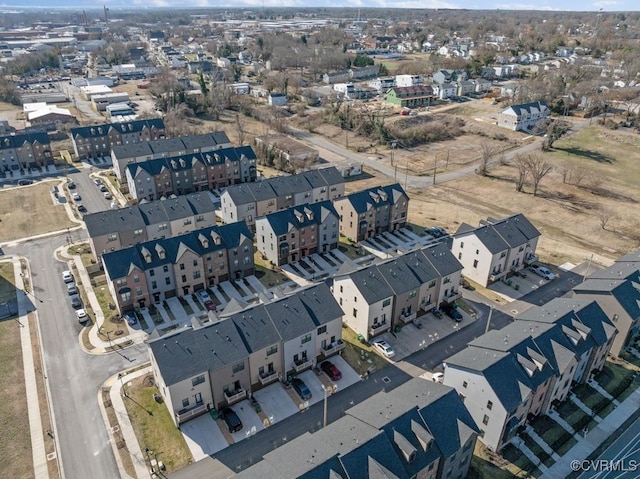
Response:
column 111, row 230
column 617, row 291
column 248, row 201
column 97, row 141
column 202, row 368
column 162, row 177
column 523, row 117
column 153, row 271
column 419, row 429
column 379, row 297
column 370, row 212
column 289, row 235
column 507, row 376
column 126, row 154
column 24, row 150
column 496, row 248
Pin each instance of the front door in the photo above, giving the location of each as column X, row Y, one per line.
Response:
column 198, row 398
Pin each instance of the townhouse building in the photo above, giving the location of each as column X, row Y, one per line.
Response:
column 287, row 151
column 289, row 235
column 125, row 154
column 523, row 117
column 410, row 96
column 203, row 368
column 370, row 212
column 379, row 297
column 419, row 429
column 150, row 272
column 111, row 230
column 98, row 140
column 248, row 201
column 163, row 177
column 617, row 290
column 507, row 376
column 496, row 248
column 24, row 150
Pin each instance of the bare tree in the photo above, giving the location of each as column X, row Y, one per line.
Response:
column 240, row 129
column 521, row 164
column 577, row 175
column 604, row 215
column 538, row 167
column 487, row 152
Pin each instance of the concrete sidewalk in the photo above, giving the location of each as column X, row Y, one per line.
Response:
column 587, row 445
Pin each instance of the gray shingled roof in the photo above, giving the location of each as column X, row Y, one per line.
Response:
column 190, row 352
column 296, row 216
column 256, row 328
column 371, row 284
column 289, row 318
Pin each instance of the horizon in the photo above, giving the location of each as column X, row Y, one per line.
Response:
column 561, row 6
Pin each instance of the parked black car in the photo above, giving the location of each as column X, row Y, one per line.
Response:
column 76, row 302
column 301, row 388
column 453, row 313
column 231, row 418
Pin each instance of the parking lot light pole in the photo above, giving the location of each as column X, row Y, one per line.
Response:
column 326, row 390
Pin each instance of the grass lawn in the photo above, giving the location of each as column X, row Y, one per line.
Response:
column 84, row 250
column 553, row 434
column 345, row 246
column 588, row 395
column 112, row 324
column 537, row 450
column 617, row 380
column 7, row 282
column 15, row 440
column 360, row 356
column 29, row 210
column 518, row 464
column 264, row 272
column 486, row 464
column 153, row 426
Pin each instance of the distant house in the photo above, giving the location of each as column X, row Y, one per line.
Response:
column 293, row 153
column 410, row 96
column 524, row 116
column 496, row 248
column 50, row 116
column 277, row 99
column 408, row 80
column 449, row 76
column 289, row 235
column 336, row 77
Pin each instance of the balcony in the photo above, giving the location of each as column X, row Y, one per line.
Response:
column 495, row 276
column 453, row 296
column 530, row 258
column 185, row 414
column 299, row 366
column 333, row 348
column 235, row 396
column 408, row 317
column 267, row 378
column 377, row 328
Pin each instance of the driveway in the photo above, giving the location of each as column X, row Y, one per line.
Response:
column 276, row 402
column 314, row 384
column 250, row 420
column 203, row 437
column 349, row 375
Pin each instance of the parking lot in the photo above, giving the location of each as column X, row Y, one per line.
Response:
column 204, row 436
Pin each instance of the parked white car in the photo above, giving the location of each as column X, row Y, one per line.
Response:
column 81, row 314
column 384, row 348
column 542, row 271
column 67, row 277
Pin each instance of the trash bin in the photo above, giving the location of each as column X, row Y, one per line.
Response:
column 516, row 286
column 360, row 338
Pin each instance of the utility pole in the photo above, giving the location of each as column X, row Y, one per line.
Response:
column 406, row 175
column 324, row 422
column 486, row 328
column 435, row 163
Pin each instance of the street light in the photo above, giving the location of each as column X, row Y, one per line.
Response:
column 326, row 401
column 124, row 393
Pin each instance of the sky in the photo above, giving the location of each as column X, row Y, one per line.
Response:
column 562, row 5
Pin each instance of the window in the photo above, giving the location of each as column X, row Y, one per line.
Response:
column 461, row 244
column 154, row 285
column 272, row 350
column 136, row 278
column 167, row 281
column 306, row 338
column 464, row 384
column 475, row 263
column 355, row 313
column 489, row 405
column 459, row 255
column 185, row 402
column 152, row 272
column 355, row 299
column 197, row 380
column 236, row 368
column 112, row 237
column 187, row 222
column 195, row 262
column 181, row 266
column 138, row 291
column 341, row 288
column 137, row 232
column 196, row 274
column 386, row 303
column 184, row 278
column 322, row 329
column 481, row 433
column 485, row 420
column 503, row 254
column 412, row 294
column 165, row 268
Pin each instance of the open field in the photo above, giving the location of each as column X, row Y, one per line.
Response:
column 566, row 214
column 29, row 210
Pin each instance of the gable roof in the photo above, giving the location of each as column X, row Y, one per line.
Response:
column 97, row 131
column 18, row 141
column 376, row 197
column 188, row 144
column 298, row 217
column 526, row 108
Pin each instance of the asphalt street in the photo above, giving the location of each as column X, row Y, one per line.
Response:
column 91, row 196
column 74, row 377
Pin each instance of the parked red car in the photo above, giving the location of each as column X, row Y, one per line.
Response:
column 331, row 370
